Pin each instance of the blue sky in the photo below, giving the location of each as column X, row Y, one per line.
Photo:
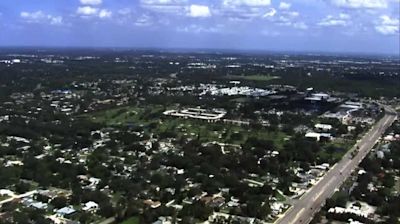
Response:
column 364, row 26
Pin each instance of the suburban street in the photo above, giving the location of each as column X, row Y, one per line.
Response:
column 303, row 210
column 18, row 197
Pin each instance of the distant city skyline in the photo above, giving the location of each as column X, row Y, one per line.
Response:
column 347, row 26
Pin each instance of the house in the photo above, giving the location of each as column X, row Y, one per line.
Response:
column 323, row 127
column 49, row 194
column 277, row 208
column 14, row 163
column 152, row 204
column 318, row 136
column 163, row 220
column 65, row 211
column 6, row 192
column 217, row 202
column 90, row 206
column 317, row 97
column 364, row 210
column 233, row 202
column 39, row 205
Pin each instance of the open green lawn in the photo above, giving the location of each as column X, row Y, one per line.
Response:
column 4, row 198
column 125, row 115
column 206, row 132
column 240, row 100
column 224, row 133
column 116, row 116
column 343, row 147
column 253, row 77
column 133, row 220
column 279, row 196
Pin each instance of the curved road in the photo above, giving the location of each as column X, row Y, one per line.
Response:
column 303, row 210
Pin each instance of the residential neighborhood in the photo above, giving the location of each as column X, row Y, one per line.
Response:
column 157, row 140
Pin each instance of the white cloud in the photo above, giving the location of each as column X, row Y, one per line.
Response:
column 104, row 13
column 284, row 5
column 245, row 10
column 163, row 2
column 388, row 25
column 344, row 16
column 287, row 21
column 286, row 18
column 56, row 20
column 270, row 13
column 91, row 2
column 199, row 29
column 33, row 15
column 270, row 33
column 87, row 11
column 251, row 3
column 144, row 20
column 199, row 11
column 177, row 7
column 300, row 26
column 41, row 17
column 125, row 11
column 341, row 20
column 124, row 16
column 292, row 14
column 369, row 4
column 333, row 22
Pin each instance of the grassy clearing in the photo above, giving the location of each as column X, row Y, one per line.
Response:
column 342, row 148
column 240, row 100
column 116, row 116
column 224, row 133
column 133, row 220
column 279, row 196
column 262, row 78
column 2, row 198
column 125, row 115
column 205, row 132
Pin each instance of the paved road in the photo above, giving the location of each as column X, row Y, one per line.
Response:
column 311, row 202
column 18, row 197
column 108, row 221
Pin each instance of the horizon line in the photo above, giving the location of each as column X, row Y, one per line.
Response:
column 203, row 50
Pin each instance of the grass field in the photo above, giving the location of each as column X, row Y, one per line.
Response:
column 133, row 220
column 240, row 100
column 125, row 115
column 116, row 116
column 263, row 78
column 337, row 155
column 224, row 133
column 206, row 132
column 279, row 196
column 4, row 198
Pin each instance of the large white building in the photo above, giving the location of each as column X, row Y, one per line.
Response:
column 197, row 113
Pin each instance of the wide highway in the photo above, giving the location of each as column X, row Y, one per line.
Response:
column 304, row 209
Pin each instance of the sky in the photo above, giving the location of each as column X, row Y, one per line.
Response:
column 345, row 26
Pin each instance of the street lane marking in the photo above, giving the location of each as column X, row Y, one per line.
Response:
column 364, row 149
column 345, row 166
column 297, row 215
column 323, row 189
